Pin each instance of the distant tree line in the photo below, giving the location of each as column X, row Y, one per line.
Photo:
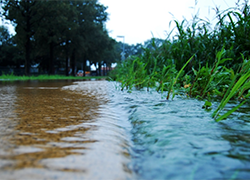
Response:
column 56, row 35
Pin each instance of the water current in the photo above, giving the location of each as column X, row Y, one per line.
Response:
column 92, row 130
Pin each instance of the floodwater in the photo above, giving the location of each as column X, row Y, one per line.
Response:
column 60, row 130
column 92, row 130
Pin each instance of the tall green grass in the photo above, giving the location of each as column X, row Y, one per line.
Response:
column 237, row 88
column 216, row 69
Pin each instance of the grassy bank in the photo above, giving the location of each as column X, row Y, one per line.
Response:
column 199, row 62
column 11, row 77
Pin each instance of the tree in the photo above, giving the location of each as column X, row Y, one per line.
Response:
column 8, row 50
column 54, row 29
column 87, row 41
column 4, row 36
column 24, row 15
column 46, row 31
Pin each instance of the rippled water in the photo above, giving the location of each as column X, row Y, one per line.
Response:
column 179, row 140
column 60, row 130
column 92, row 130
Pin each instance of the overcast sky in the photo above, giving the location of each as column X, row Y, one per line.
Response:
column 140, row 20
column 137, row 20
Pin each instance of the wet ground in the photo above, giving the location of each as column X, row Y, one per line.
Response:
column 92, row 130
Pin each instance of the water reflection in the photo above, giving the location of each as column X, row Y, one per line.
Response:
column 47, row 119
column 61, row 130
column 7, row 122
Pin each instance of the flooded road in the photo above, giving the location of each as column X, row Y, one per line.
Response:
column 56, row 130
column 92, row 130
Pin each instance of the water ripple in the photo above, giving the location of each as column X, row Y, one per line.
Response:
column 169, row 136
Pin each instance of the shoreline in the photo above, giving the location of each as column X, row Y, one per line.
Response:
column 47, row 77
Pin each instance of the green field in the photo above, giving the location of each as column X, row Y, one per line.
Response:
column 11, row 77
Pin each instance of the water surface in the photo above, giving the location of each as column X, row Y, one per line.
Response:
column 60, row 130
column 92, row 130
column 179, row 140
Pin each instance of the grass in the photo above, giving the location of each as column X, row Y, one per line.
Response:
column 11, row 77
column 239, row 87
column 219, row 69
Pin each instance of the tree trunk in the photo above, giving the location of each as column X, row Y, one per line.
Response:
column 73, row 61
column 84, row 66
column 67, row 60
column 108, row 69
column 27, row 57
column 27, row 47
column 67, row 66
column 100, row 69
column 96, row 68
column 51, row 59
column 104, row 69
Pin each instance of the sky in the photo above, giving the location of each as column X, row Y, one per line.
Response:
column 140, row 20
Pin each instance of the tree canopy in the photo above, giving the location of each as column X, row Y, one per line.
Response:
column 8, row 50
column 60, row 34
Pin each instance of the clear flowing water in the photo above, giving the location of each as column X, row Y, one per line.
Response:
column 179, row 140
column 92, row 130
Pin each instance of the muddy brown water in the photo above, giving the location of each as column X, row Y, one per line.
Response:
column 57, row 130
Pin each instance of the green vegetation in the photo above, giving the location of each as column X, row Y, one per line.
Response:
column 198, row 62
column 56, row 36
column 239, row 85
column 11, row 77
